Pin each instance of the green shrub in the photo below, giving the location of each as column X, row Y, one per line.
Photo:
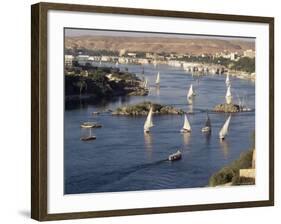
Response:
column 230, row 173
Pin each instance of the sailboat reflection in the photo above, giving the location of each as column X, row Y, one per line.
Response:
column 225, row 148
column 148, row 143
column 190, row 107
column 186, row 138
column 157, row 90
column 208, row 138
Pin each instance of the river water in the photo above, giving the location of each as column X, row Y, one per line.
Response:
column 123, row 158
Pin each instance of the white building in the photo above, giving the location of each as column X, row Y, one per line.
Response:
column 68, row 60
column 131, row 54
column 249, row 53
column 82, row 59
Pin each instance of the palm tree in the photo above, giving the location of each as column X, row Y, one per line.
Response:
column 82, row 85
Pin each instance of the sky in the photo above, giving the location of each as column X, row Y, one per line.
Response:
column 73, row 32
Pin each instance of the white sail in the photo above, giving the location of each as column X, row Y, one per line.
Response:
column 227, row 80
column 190, row 92
column 145, row 83
column 148, row 123
column 223, row 132
column 228, row 96
column 157, row 82
column 186, row 125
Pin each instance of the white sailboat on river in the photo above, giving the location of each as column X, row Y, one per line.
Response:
column 157, row 82
column 227, row 80
column 224, row 130
column 148, row 122
column 207, row 128
column 186, row 126
column 190, row 93
column 145, row 83
column 228, row 96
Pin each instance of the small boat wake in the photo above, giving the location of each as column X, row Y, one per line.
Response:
column 98, row 181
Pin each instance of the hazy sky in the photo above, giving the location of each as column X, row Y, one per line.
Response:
column 87, row 32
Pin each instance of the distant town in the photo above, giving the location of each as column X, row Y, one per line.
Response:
column 241, row 64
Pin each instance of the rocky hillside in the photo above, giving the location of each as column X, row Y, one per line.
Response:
column 158, row 44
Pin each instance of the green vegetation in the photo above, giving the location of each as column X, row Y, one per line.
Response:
column 231, row 173
column 95, row 83
column 244, row 64
column 144, row 107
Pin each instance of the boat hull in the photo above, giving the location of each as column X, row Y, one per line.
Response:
column 90, row 138
column 185, row 131
column 175, row 156
column 206, row 130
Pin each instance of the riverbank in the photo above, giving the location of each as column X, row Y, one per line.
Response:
column 230, row 175
column 95, row 83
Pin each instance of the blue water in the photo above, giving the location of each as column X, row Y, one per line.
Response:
column 122, row 158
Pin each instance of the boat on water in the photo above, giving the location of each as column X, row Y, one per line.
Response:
column 190, row 92
column 175, row 156
column 228, row 96
column 145, row 83
column 224, row 130
column 227, row 80
column 148, row 122
column 88, row 137
column 157, row 82
column 90, row 125
column 207, row 128
column 186, row 126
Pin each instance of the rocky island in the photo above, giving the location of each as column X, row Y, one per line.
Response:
column 144, row 107
column 227, row 108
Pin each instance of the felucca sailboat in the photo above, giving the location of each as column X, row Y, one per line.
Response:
column 228, row 96
column 190, row 93
column 227, row 80
column 89, row 137
column 157, row 82
column 186, row 126
column 207, row 128
column 148, row 122
column 224, row 131
column 145, row 83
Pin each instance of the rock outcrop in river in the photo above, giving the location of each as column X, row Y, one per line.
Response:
column 143, row 109
column 227, row 108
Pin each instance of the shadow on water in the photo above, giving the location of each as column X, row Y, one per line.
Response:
column 99, row 102
column 207, row 138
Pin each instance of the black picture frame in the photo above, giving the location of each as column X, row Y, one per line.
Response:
column 39, row 106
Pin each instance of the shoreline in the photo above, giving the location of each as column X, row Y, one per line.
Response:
column 197, row 65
